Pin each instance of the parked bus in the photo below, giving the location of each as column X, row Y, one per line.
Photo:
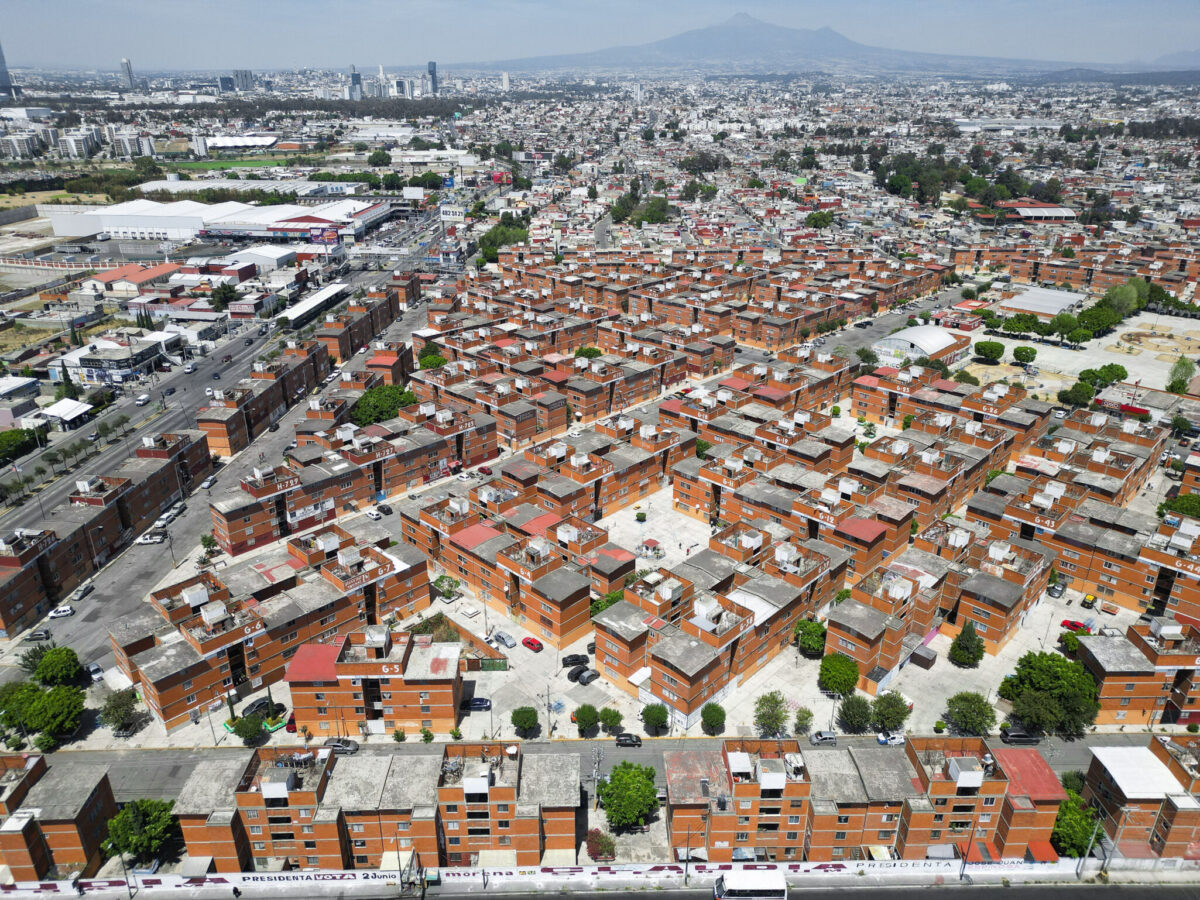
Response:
column 750, row 884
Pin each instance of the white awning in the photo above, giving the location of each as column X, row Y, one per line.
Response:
column 67, row 410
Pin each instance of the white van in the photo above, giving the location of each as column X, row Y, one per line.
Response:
column 189, row 368
column 142, row 399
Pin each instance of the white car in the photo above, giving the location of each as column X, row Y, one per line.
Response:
column 463, row 476
column 95, row 672
column 151, row 537
column 177, row 508
column 62, row 612
column 890, row 739
column 208, row 392
column 208, row 482
column 373, row 515
column 164, row 520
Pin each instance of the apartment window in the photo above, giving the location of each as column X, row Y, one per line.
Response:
column 989, row 801
column 256, row 829
column 252, row 814
column 313, row 860
column 357, row 829
column 742, row 836
column 843, row 820
column 189, row 699
column 501, row 807
column 260, row 845
column 745, row 804
column 323, row 711
column 886, row 835
column 1129, row 687
column 847, row 645
column 839, row 835
column 306, row 829
column 361, row 860
column 935, row 834
column 360, row 845
column 889, row 817
column 452, row 826
column 454, row 842
column 1125, row 701
column 984, row 819
column 793, row 820
column 743, row 820
column 505, row 841
column 319, row 696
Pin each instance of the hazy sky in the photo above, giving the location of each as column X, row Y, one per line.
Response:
column 262, row 34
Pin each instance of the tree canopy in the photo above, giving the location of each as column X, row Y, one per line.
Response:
column 967, row 648
column 524, row 719
column 770, row 714
column 1074, row 826
column 970, row 713
column 629, row 795
column 889, row 711
column 381, row 403
column 1051, row 693
column 839, row 674
column 810, row 637
column 58, row 665
column 141, row 829
column 991, row 351
column 854, row 714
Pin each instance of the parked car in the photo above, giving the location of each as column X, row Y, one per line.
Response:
column 208, row 482
column 94, row 436
column 1019, row 736
column 383, row 509
column 589, row 676
column 95, row 672
column 817, row 738
column 1056, row 590
column 1073, row 625
column 485, row 470
column 571, row 660
column 591, row 647
column 373, row 515
column 574, row 674
column 532, row 644
column 164, row 520
column 151, row 537
column 505, row 638
column 342, row 746
column 208, row 392
column 290, row 727
column 177, row 508
column 259, row 707
column 476, row 703
column 274, row 426
column 41, row 634
column 890, row 740
column 626, row 739
column 81, row 592
column 62, row 612
column 463, row 476
column 1088, row 601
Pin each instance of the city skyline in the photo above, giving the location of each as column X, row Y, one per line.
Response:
column 1109, row 33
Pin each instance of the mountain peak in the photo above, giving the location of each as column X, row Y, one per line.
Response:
column 742, row 20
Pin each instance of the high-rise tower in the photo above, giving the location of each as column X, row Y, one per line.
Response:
column 127, row 73
column 433, row 81
column 7, row 88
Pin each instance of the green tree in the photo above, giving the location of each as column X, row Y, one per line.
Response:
column 588, row 352
column 1181, row 375
column 119, row 708
column 1024, row 355
column 380, row 403
column 611, row 718
column 967, row 649
column 1181, row 424
column 854, row 714
column 867, row 356
column 209, row 543
column 1051, row 693
column 1079, row 394
column 56, row 711
column 804, row 720
column 1187, row 504
column 654, row 717
column 712, row 718
column 59, row 665
column 970, row 713
column 54, row 458
column 141, row 829
column 379, row 158
column 1074, row 827
column 524, row 719
column 249, row 729
column 30, row 658
column 819, row 220
column 586, row 718
column 810, row 637
column 839, row 674
column 446, row 586
column 629, row 795
column 433, row 361
column 889, row 711
column 770, row 714
column 989, row 351
column 223, row 295
column 702, row 448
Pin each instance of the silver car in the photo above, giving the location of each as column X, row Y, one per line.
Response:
column 503, row 637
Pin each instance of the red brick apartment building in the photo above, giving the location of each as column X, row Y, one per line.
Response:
column 938, row 798
column 1145, row 797
column 55, row 817
column 275, row 808
column 234, row 630
column 375, row 681
column 40, row 566
column 347, row 468
column 686, row 636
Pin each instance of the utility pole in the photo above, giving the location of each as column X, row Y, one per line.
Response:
column 1088, row 851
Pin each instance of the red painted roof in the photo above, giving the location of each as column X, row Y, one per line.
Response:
column 504, row 342
column 863, row 529
column 376, row 431
column 735, row 383
column 620, row 554
column 470, row 538
column 313, row 662
column 770, row 393
column 885, row 371
column 671, row 405
column 943, row 384
column 540, row 524
column 1029, row 774
column 555, row 376
column 867, row 381
column 382, row 359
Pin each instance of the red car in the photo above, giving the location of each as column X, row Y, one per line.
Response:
column 1073, row 625
column 485, row 470
column 290, row 727
column 533, row 644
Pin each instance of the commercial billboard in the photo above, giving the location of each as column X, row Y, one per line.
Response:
column 448, row 182
column 413, row 193
column 324, row 235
